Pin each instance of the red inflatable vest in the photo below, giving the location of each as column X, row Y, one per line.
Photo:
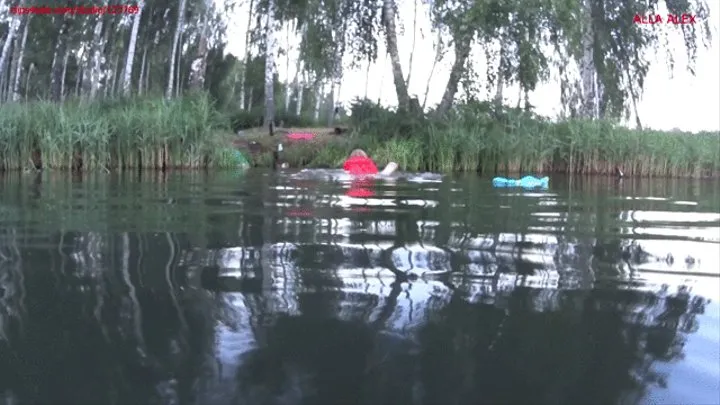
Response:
column 359, row 165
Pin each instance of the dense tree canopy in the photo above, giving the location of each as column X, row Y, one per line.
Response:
column 594, row 46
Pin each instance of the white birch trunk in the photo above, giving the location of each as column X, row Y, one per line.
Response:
column 19, row 67
column 247, row 58
column 367, row 79
column 288, row 87
column 174, row 50
column 55, row 69
column 78, row 79
column 318, row 99
column 388, row 22
column 588, row 74
column 199, row 64
column 127, row 76
column 500, row 79
column 412, row 49
column 96, row 73
column 142, row 71
column 8, row 88
column 439, row 53
column 382, row 78
column 300, row 79
column 296, row 85
column 31, row 69
column 147, row 76
column 178, row 64
column 115, row 73
column 288, row 95
column 270, row 66
column 300, row 94
column 330, row 105
column 5, row 55
column 64, row 72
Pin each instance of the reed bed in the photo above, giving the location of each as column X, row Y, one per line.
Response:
column 148, row 133
column 474, row 138
column 152, row 133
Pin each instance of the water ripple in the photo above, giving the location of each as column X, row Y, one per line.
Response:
column 224, row 288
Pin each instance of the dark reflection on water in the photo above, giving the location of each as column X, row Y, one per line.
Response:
column 266, row 289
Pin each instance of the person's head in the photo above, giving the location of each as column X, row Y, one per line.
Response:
column 358, row 153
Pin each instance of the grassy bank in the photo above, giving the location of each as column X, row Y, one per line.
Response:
column 476, row 138
column 189, row 133
column 136, row 133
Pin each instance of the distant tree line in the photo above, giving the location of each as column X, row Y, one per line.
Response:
column 170, row 47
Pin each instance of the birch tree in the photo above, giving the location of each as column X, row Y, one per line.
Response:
column 132, row 45
column 599, row 54
column 388, row 21
column 14, row 24
column 246, row 58
column 611, row 51
column 439, row 54
column 412, row 49
column 270, row 46
column 198, row 66
column 97, row 58
column 56, row 67
column 175, row 47
column 19, row 62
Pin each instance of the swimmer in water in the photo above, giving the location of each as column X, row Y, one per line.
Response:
column 360, row 164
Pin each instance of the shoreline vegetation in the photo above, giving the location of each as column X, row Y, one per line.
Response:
column 190, row 133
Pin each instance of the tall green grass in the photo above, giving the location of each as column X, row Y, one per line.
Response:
column 476, row 138
column 135, row 133
column 152, row 133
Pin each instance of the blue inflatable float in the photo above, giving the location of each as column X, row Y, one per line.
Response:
column 525, row 182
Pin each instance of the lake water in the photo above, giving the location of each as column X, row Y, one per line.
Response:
column 263, row 288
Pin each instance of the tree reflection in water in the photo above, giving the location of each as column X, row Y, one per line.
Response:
column 591, row 350
column 79, row 342
column 138, row 336
column 138, row 317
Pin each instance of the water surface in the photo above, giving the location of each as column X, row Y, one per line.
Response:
column 264, row 288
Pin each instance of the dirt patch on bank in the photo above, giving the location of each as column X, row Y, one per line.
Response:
column 256, row 141
column 318, row 131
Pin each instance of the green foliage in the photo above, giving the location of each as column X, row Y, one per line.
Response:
column 478, row 137
column 384, row 124
column 526, row 29
column 621, row 47
column 220, row 78
column 288, row 119
column 244, row 119
column 156, row 33
column 191, row 132
column 330, row 28
column 139, row 132
column 519, row 26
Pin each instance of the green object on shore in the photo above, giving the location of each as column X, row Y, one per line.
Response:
column 231, row 158
column 240, row 159
column 236, row 159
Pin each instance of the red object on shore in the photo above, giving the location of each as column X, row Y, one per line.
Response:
column 360, row 165
column 298, row 136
